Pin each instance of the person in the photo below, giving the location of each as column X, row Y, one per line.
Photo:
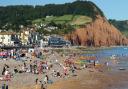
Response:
column 4, row 69
column 40, row 68
column 24, row 64
column 31, row 67
column 54, row 74
column 65, row 71
column 6, row 73
column 106, row 63
column 34, row 68
column 42, row 85
column 58, row 74
column 46, row 79
column 36, row 81
column 23, row 68
column 15, row 70
column 73, row 70
column 6, row 66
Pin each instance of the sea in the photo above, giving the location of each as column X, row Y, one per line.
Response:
column 111, row 55
column 117, row 58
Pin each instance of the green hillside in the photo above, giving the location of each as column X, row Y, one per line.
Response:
column 75, row 20
column 121, row 25
column 12, row 17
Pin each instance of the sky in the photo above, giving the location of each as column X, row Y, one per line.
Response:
column 113, row 9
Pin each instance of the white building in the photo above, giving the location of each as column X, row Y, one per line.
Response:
column 44, row 41
column 6, row 38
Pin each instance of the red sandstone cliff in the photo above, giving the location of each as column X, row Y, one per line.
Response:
column 98, row 33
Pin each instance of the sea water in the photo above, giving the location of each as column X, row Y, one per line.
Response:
column 120, row 54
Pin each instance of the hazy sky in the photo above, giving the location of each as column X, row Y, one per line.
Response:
column 114, row 9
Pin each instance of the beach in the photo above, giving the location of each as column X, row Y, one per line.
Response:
column 85, row 78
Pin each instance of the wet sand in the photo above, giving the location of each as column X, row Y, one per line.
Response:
column 94, row 80
column 90, row 80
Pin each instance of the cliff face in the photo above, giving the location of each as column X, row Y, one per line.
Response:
column 98, row 33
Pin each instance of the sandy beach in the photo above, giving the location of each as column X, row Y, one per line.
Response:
column 87, row 78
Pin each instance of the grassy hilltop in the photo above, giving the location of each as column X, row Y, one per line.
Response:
column 65, row 19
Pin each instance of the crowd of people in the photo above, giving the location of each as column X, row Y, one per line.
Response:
column 52, row 68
